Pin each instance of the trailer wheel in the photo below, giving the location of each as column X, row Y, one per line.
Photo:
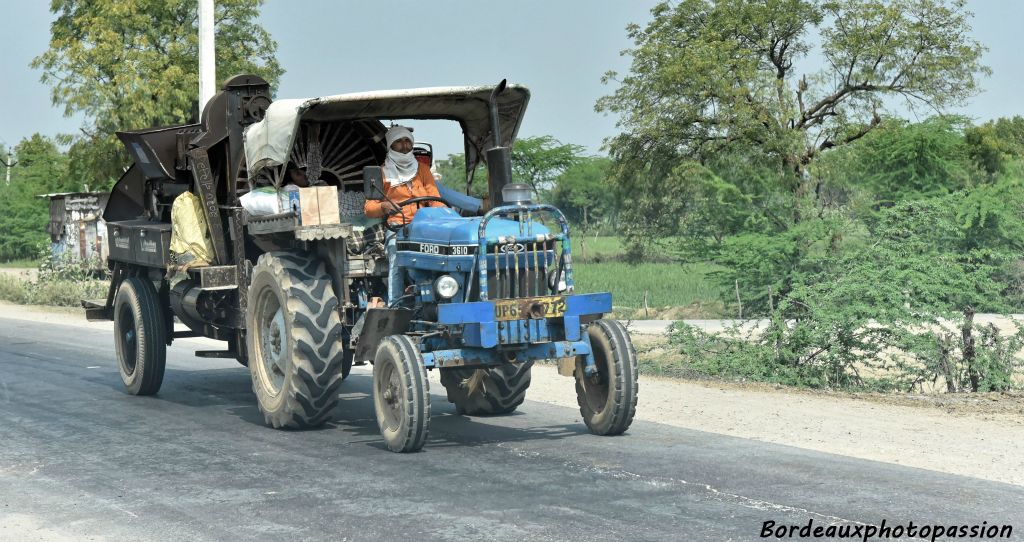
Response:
column 140, row 336
column 401, row 394
column 294, row 340
column 608, row 399
column 487, row 392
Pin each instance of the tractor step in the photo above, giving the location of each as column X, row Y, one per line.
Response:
column 184, row 334
column 229, row 354
column 97, row 309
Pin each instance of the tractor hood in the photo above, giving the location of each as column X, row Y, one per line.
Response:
column 443, row 226
column 268, row 142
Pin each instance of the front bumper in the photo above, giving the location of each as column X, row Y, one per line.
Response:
column 481, row 329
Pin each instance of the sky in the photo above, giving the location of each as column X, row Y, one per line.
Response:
column 558, row 48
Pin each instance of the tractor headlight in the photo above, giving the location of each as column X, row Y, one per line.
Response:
column 446, row 286
column 557, row 282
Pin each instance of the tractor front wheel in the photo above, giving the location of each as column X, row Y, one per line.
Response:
column 607, row 399
column 487, row 392
column 401, row 394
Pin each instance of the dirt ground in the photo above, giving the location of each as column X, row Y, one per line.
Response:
column 978, row 435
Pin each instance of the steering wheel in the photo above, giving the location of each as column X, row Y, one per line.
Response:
column 410, row 201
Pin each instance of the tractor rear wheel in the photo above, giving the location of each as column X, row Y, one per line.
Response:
column 140, row 336
column 401, row 394
column 294, row 340
column 608, row 398
column 487, row 392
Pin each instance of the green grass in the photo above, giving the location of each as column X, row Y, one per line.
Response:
column 666, row 284
column 674, row 290
column 23, row 263
column 596, row 246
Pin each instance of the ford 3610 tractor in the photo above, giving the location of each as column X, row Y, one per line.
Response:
column 484, row 297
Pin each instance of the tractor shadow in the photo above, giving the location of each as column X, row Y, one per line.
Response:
column 230, row 389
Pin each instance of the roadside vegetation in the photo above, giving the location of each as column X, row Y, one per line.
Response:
column 61, row 282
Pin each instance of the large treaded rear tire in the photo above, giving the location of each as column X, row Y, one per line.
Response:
column 608, row 401
column 140, row 336
column 487, row 392
column 293, row 335
column 401, row 394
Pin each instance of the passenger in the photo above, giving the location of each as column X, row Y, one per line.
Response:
column 404, row 178
column 296, row 176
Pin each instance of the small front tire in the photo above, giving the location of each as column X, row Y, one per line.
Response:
column 401, row 394
column 608, row 399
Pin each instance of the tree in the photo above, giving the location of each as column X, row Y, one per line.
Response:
column 997, row 143
column 900, row 161
column 583, row 193
column 535, row 160
column 134, row 64
column 453, row 175
column 41, row 168
column 710, row 76
column 539, row 160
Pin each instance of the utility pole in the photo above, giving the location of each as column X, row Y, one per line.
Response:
column 207, row 62
column 9, row 164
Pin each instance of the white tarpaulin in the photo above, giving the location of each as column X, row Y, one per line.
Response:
column 269, row 142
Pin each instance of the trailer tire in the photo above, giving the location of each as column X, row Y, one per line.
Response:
column 140, row 336
column 608, row 400
column 401, row 394
column 294, row 340
column 487, row 392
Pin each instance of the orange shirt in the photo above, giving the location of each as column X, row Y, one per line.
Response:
column 420, row 185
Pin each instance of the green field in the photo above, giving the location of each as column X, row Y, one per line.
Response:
column 674, row 290
column 596, row 246
column 666, row 284
column 26, row 264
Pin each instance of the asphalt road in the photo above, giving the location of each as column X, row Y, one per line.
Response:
column 82, row 458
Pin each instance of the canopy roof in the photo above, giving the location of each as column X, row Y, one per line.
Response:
column 269, row 142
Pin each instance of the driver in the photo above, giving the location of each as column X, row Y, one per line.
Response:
column 404, row 178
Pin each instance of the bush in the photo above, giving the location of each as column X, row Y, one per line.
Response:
column 895, row 314
column 62, row 282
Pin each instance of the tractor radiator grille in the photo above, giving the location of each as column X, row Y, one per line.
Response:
column 520, row 269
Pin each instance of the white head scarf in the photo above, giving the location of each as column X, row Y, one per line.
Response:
column 399, row 168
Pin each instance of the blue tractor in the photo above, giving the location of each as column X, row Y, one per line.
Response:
column 487, row 290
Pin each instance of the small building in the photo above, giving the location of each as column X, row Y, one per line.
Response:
column 77, row 229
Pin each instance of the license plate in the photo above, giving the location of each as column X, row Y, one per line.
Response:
column 529, row 308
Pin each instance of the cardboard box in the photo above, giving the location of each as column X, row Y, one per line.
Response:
column 319, row 205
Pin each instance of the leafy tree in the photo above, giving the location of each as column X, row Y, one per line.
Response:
column 583, row 193
column 453, row 175
column 720, row 75
column 535, row 160
column 41, row 168
column 539, row 160
column 895, row 313
column 134, row 64
column 997, row 143
column 901, row 161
